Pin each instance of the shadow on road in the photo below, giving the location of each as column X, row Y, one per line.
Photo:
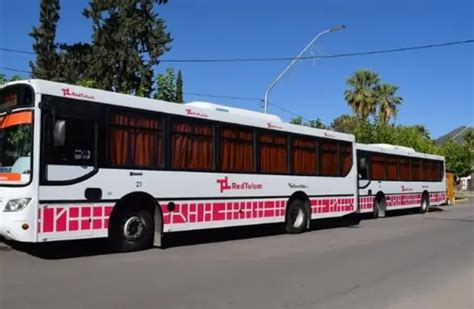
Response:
column 94, row 247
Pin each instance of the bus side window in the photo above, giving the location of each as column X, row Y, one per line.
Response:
column 363, row 167
column 77, row 147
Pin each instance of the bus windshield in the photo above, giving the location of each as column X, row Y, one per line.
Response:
column 15, row 147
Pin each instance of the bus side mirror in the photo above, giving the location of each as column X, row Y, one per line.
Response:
column 363, row 163
column 59, row 133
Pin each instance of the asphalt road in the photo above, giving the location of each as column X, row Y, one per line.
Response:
column 404, row 261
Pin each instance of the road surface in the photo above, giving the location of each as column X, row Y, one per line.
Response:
column 403, row 261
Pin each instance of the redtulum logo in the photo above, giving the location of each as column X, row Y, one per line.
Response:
column 225, row 185
column 406, row 189
column 190, row 112
column 68, row 93
column 272, row 126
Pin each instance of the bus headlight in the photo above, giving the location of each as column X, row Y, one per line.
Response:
column 16, row 204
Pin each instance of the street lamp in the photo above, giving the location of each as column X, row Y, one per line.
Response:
column 311, row 43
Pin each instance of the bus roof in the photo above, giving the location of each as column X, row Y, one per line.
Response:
column 203, row 110
column 396, row 150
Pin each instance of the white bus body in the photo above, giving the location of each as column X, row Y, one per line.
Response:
column 72, row 190
column 397, row 189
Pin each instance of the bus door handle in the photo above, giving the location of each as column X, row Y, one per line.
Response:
column 136, row 174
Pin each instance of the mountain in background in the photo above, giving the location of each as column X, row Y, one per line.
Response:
column 457, row 135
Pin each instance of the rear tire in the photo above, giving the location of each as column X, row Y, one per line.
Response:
column 425, row 204
column 131, row 230
column 379, row 207
column 296, row 217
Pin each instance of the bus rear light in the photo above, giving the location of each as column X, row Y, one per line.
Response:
column 16, row 204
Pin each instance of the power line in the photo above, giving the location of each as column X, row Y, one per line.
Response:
column 18, row 51
column 14, row 70
column 237, row 60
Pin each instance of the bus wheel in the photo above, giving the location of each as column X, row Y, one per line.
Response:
column 425, row 204
column 296, row 217
column 375, row 211
column 132, row 230
column 379, row 208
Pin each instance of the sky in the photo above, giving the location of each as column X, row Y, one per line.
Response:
column 437, row 85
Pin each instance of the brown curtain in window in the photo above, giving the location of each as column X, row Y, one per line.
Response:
column 236, row 150
column 378, row 167
column 346, row 157
column 135, row 141
column 415, row 169
column 273, row 153
column 435, row 170
column 392, row 168
column 426, row 169
column 191, row 146
column 304, row 156
column 329, row 164
column 405, row 169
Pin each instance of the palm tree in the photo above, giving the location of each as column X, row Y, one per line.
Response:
column 387, row 101
column 362, row 96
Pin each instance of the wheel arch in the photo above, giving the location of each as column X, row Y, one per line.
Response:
column 142, row 201
column 300, row 195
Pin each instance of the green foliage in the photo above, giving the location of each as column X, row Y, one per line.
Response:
column 345, row 124
column 46, row 64
column 179, row 88
column 128, row 40
column 166, row 86
column 297, row 120
column 316, row 123
column 387, row 101
column 361, row 95
column 4, row 79
column 458, row 158
column 367, row 96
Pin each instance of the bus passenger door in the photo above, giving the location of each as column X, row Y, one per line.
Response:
column 363, row 175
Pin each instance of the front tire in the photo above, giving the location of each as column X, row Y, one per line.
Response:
column 131, row 230
column 296, row 217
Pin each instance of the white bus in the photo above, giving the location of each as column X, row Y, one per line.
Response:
column 81, row 163
column 396, row 177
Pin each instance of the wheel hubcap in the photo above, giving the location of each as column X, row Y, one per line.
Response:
column 297, row 216
column 133, row 228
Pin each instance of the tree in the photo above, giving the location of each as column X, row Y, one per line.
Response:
column 387, row 101
column 166, row 86
column 46, row 64
column 179, row 88
column 16, row 77
column 361, row 95
column 458, row 158
column 345, row 124
column 128, row 40
column 4, row 79
column 297, row 120
column 316, row 123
